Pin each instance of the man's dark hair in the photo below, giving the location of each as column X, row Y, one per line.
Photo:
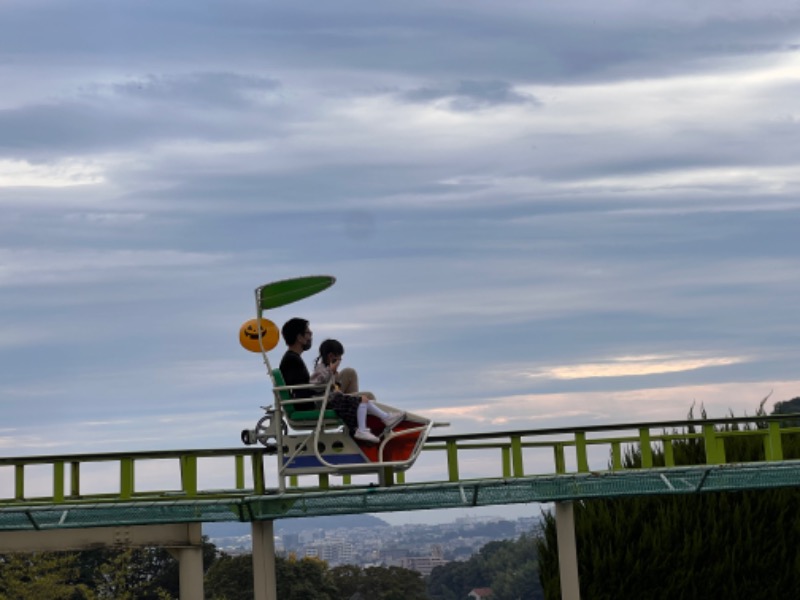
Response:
column 292, row 328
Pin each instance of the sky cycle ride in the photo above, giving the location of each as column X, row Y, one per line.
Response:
column 315, row 442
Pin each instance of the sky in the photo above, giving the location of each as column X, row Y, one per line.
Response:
column 538, row 214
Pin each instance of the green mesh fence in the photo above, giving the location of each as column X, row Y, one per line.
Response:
column 534, row 489
column 117, row 514
column 425, row 496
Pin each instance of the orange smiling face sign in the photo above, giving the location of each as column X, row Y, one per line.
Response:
column 248, row 335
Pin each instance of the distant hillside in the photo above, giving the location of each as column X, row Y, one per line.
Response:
column 284, row 526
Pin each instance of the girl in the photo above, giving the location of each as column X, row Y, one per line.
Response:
column 351, row 409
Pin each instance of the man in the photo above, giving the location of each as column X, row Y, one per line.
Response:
column 298, row 338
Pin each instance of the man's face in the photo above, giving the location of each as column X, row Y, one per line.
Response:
column 307, row 339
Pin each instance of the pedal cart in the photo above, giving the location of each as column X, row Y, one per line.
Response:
column 316, row 441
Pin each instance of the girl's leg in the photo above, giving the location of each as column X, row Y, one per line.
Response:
column 348, row 381
column 375, row 411
column 389, row 419
column 362, row 433
column 361, row 416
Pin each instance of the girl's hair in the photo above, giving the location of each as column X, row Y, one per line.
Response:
column 329, row 347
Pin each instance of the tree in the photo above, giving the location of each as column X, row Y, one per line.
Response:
column 378, row 583
column 393, row 583
column 149, row 573
column 788, row 407
column 41, row 575
column 348, row 579
column 512, row 568
column 509, row 567
column 454, row 580
column 733, row 545
column 303, row 579
column 128, row 575
column 231, row 578
column 99, row 574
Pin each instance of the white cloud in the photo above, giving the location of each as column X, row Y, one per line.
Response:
column 624, row 366
column 548, row 410
column 116, row 219
column 722, row 181
column 61, row 174
column 49, row 266
column 212, row 373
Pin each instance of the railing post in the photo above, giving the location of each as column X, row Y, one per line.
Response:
column 257, row 464
column 711, row 446
column 561, row 461
column 189, row 475
column 721, row 451
column 516, row 456
column 19, row 482
column 505, row 454
column 646, row 448
column 616, row 456
column 386, row 477
column 580, row 452
column 669, row 453
column 239, row 467
column 75, row 479
column 773, row 447
column 58, row 481
column 452, row 460
column 126, row 484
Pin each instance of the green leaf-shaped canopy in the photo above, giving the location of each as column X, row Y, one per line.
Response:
column 280, row 293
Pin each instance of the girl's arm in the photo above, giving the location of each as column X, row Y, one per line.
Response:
column 321, row 374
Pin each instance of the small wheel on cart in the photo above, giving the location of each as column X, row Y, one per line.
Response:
column 264, row 432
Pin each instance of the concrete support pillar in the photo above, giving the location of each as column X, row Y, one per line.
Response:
column 264, row 580
column 190, row 564
column 567, row 551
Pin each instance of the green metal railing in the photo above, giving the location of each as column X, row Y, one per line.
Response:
column 515, row 466
column 69, row 489
column 713, row 433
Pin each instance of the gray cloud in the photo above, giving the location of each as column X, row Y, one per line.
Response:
column 198, row 91
column 505, row 40
column 605, row 181
column 144, row 111
column 472, row 95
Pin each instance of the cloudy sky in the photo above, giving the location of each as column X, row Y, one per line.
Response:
column 538, row 214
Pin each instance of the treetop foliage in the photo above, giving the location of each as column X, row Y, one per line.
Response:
column 732, row 545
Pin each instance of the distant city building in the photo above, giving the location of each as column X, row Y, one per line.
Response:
column 421, row 564
column 424, row 564
column 418, row 547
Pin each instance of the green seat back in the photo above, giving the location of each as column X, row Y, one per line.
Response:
column 289, row 409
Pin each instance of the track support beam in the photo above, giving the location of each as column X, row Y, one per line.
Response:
column 264, row 580
column 567, row 551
